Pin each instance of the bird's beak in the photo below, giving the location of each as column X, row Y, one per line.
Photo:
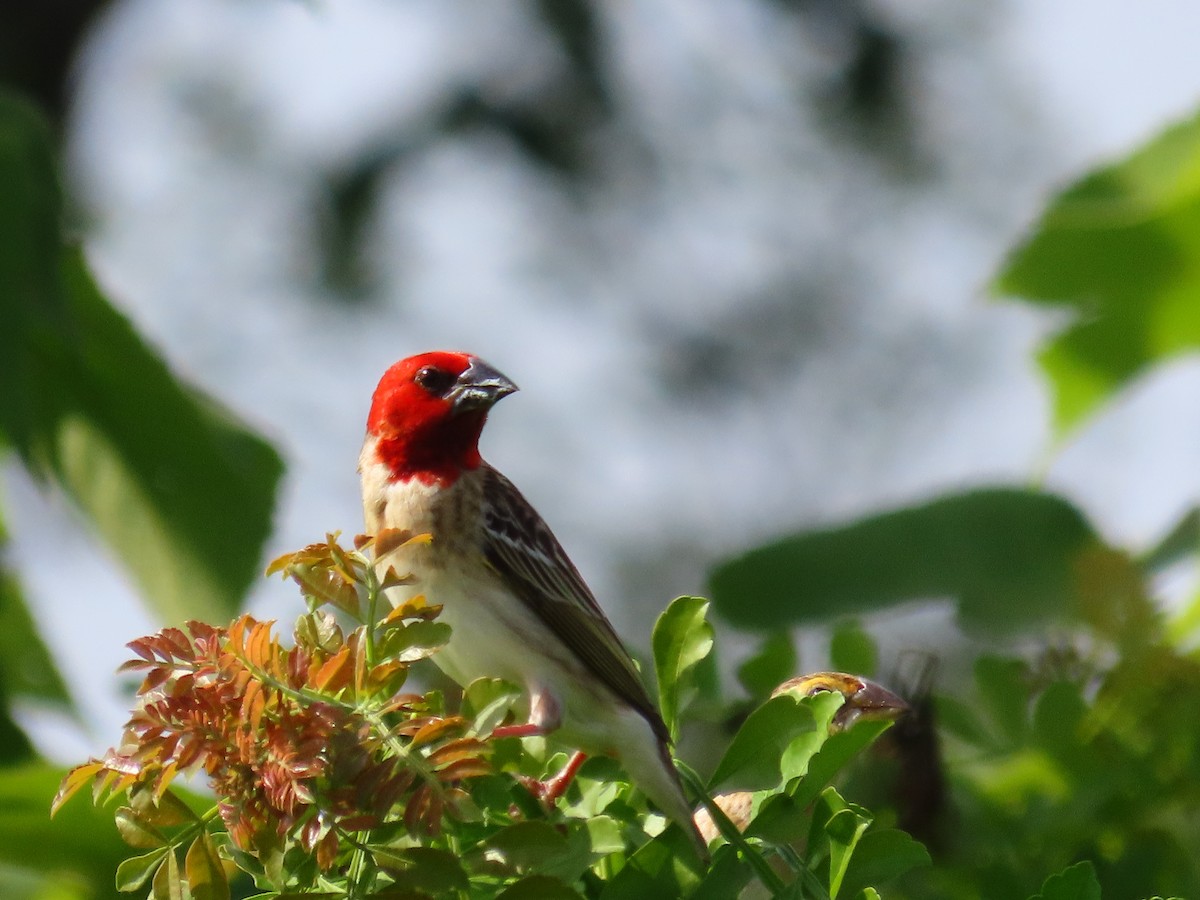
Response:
column 478, row 387
column 864, row 699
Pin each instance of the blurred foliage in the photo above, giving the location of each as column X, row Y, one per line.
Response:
column 1062, row 765
column 181, row 492
column 157, row 467
column 1008, row 557
column 1120, row 252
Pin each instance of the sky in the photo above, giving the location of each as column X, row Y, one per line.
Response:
column 199, row 126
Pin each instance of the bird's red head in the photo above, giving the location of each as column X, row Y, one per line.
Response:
column 428, row 411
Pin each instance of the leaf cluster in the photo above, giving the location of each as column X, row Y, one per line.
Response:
column 330, row 776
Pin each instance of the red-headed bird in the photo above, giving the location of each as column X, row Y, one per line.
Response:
column 516, row 604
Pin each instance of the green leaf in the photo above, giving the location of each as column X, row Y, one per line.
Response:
column 424, row 869
column 1077, row 882
column 1058, row 721
column 132, row 873
column 752, row 760
column 529, row 845
column 882, row 855
column 604, row 835
column 727, row 877
column 414, row 640
column 661, row 868
column 205, row 874
column 1004, row 693
column 486, row 702
column 166, row 811
column 539, row 887
column 26, row 667
column 851, row 649
column 795, row 759
column 783, row 817
column 137, row 832
column 156, row 466
column 1006, row 555
column 1120, row 250
column 86, row 847
column 168, row 881
column 774, row 663
column 844, row 830
column 682, row 638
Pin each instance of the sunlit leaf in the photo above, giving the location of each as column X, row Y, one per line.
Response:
column 168, row 880
column 205, row 874
column 844, row 829
column 487, row 701
column 752, row 760
column 682, row 637
column 132, row 873
column 136, row 831
column 1007, row 557
column 1119, row 250
column 414, row 641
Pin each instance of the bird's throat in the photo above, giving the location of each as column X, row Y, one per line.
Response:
column 433, row 455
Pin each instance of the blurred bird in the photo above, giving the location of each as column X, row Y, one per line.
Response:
column 517, row 606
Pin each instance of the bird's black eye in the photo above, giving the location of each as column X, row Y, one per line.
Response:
column 436, row 381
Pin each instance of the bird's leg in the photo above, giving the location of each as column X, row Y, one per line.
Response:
column 545, row 715
column 553, row 788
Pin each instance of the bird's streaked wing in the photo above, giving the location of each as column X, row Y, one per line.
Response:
column 524, row 552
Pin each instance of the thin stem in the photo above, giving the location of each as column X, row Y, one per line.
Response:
column 371, row 581
column 730, row 832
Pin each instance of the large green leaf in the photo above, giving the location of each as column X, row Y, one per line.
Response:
column 1007, row 556
column 181, row 491
column 1120, row 250
column 79, row 847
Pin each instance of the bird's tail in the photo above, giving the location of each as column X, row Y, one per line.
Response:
column 656, row 777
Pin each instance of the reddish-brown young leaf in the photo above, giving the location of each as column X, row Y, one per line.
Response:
column 335, row 673
column 417, row 808
column 387, row 677
column 414, row 608
column 403, row 702
column 437, row 728
column 327, row 851
column 462, row 748
column 165, row 776
column 180, row 647
column 253, row 704
column 471, row 767
column 154, row 678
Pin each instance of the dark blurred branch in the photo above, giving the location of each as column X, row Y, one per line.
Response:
column 38, row 43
